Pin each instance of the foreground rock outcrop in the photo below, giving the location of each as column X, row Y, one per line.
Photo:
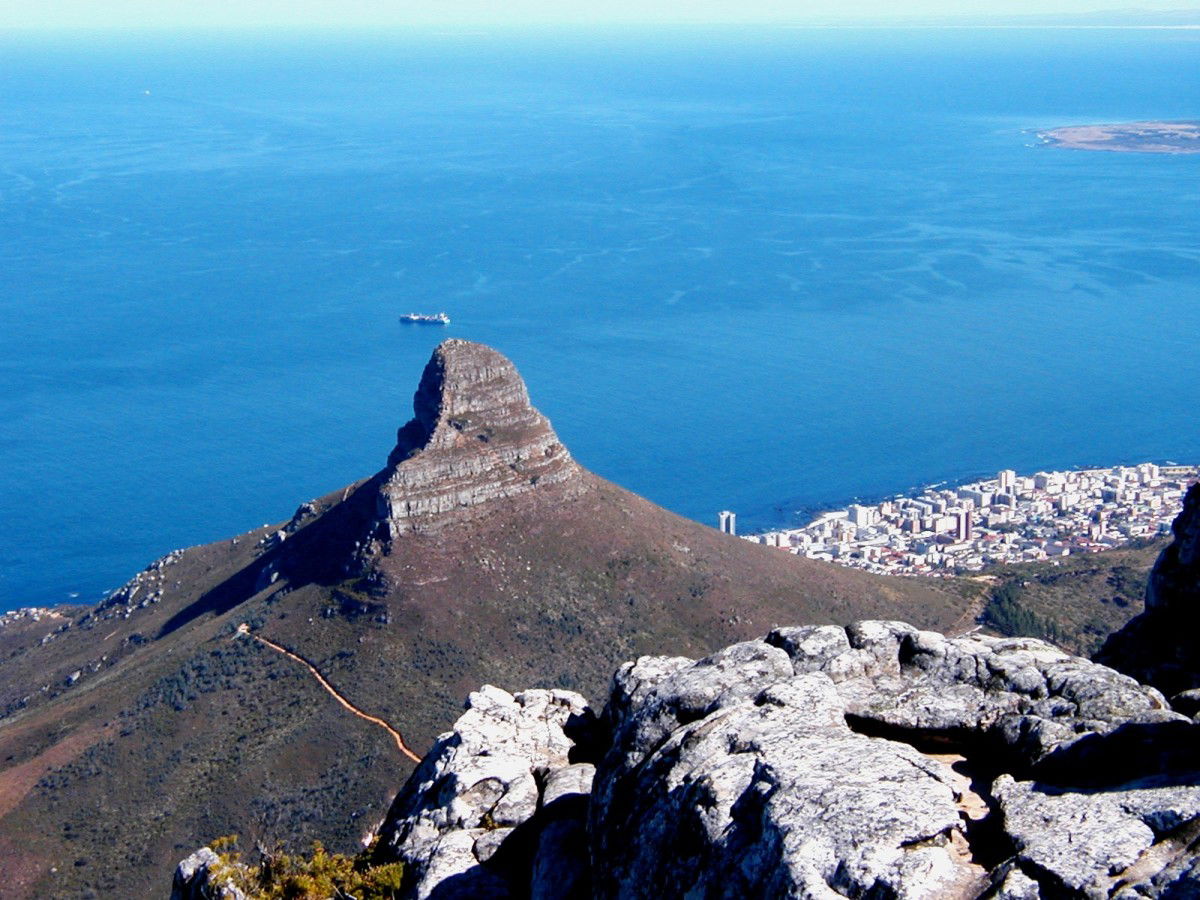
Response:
column 875, row 760
column 1159, row 646
column 497, row 806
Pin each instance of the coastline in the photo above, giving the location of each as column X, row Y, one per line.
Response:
column 811, row 515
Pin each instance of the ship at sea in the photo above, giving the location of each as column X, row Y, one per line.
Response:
column 426, row 318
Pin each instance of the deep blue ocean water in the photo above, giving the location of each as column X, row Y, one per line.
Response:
column 746, row 269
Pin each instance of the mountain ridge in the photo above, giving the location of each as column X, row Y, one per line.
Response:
column 143, row 727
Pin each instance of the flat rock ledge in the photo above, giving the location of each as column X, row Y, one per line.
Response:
column 874, row 760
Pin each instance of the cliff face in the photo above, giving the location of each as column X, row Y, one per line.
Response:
column 1159, row 646
column 1175, row 582
column 474, row 439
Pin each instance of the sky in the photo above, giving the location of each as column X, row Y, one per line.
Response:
column 42, row 14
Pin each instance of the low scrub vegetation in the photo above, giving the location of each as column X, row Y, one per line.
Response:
column 1006, row 614
column 320, row 875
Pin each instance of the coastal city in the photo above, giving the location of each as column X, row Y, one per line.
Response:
column 1007, row 519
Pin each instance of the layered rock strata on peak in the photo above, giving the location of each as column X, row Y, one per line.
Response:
column 473, row 439
column 1159, row 646
column 870, row 760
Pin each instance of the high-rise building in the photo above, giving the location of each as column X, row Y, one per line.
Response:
column 1007, row 480
column 962, row 525
column 1148, row 473
column 727, row 521
column 861, row 515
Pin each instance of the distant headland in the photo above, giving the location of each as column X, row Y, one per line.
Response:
column 1131, row 137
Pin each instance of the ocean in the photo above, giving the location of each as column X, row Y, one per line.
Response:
column 763, row 270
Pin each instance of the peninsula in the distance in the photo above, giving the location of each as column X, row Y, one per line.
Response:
column 1131, row 137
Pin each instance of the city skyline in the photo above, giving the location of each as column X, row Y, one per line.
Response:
column 1007, row 519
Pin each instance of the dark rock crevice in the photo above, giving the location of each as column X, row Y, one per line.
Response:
column 978, row 761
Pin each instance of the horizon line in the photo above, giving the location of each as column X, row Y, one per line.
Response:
column 482, row 28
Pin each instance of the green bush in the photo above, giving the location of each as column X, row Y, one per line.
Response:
column 319, row 876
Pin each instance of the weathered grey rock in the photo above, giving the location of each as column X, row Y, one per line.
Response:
column 810, row 647
column 1010, row 883
column 1021, row 696
column 574, row 781
column 1096, row 843
column 774, row 795
column 472, row 801
column 739, row 775
column 473, row 439
column 669, row 692
column 197, row 878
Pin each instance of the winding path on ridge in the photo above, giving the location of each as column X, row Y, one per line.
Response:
column 396, row 736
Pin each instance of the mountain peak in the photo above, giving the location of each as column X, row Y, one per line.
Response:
column 473, row 438
column 480, row 553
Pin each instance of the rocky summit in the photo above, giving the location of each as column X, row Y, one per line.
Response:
column 474, row 439
column 187, row 705
column 874, row 760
